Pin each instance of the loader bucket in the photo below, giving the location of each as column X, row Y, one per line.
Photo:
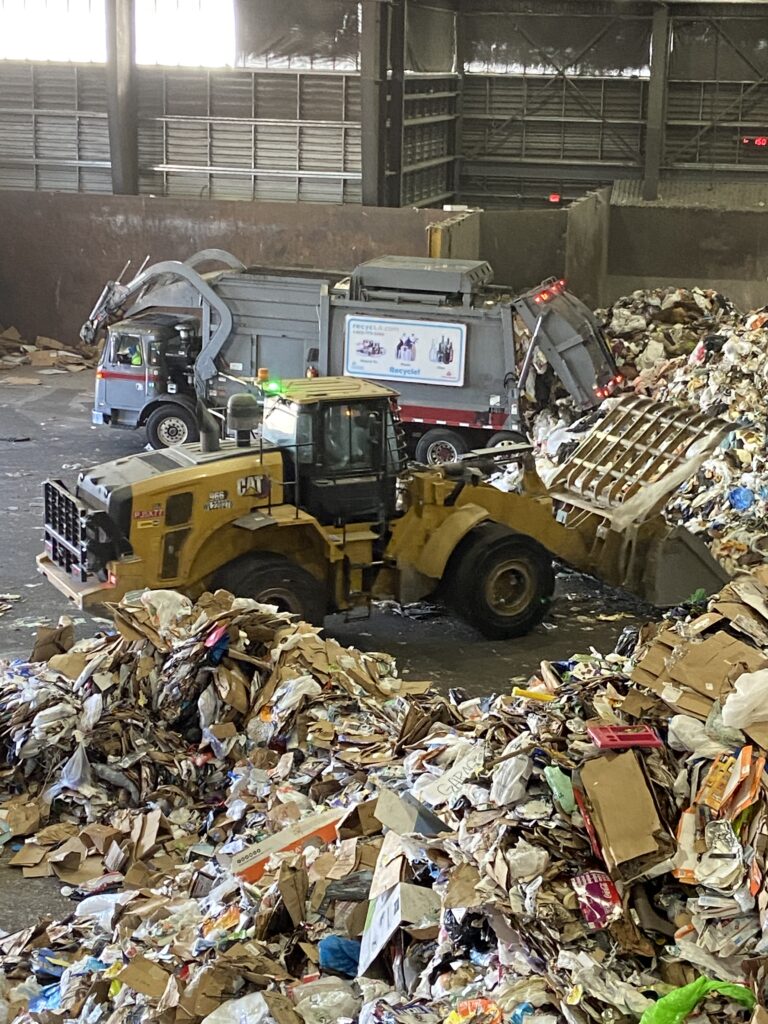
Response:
column 676, row 566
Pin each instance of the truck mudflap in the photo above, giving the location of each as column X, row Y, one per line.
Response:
column 614, row 487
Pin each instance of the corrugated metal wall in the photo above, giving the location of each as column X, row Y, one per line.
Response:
column 430, row 139
column 53, row 127
column 236, row 134
column 526, row 135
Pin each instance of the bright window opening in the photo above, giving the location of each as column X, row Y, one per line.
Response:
column 186, row 33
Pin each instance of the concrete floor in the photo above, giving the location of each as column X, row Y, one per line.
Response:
column 55, row 417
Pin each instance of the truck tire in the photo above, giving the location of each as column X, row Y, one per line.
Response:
column 440, row 445
column 501, row 582
column 274, row 579
column 503, row 436
column 171, row 424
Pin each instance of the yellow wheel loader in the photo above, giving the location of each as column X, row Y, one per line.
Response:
column 320, row 514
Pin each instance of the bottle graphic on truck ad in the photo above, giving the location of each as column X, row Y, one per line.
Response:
column 427, row 351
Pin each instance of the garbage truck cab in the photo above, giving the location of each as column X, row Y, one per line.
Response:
column 144, row 377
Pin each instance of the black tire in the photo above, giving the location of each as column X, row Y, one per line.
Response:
column 440, row 445
column 500, row 582
column 274, row 579
column 502, row 436
column 171, row 420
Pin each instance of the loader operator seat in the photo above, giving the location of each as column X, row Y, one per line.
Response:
column 347, row 439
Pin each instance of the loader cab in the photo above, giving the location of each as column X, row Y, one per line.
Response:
column 341, row 447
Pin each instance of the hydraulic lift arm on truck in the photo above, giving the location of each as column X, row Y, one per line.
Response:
column 116, row 298
column 309, row 518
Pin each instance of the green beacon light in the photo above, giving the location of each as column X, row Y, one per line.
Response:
column 272, row 387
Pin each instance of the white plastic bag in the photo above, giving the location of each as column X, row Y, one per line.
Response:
column 748, row 704
column 509, row 780
column 250, row 1009
column 325, row 1001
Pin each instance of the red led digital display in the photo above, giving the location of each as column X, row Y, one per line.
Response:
column 754, row 140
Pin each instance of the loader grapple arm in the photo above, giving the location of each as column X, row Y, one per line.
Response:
column 613, row 488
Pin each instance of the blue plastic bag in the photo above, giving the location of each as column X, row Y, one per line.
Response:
column 339, row 954
column 741, row 498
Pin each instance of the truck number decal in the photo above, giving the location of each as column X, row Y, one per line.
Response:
column 217, row 500
column 422, row 351
column 156, row 512
column 252, row 486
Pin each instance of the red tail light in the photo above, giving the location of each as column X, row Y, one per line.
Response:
column 550, row 291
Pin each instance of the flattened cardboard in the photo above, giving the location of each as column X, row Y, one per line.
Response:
column 28, row 856
column 623, row 811
column 690, row 675
column 390, row 865
column 144, row 976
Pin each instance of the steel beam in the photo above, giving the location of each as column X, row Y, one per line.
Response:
column 374, row 59
column 397, row 43
column 657, row 103
column 121, row 96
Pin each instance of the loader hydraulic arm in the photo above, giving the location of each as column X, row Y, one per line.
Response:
column 114, row 301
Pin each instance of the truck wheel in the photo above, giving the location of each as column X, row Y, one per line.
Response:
column 273, row 579
column 171, row 424
column 507, row 437
column 503, row 582
column 438, row 446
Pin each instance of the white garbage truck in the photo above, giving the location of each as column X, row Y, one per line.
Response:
column 459, row 349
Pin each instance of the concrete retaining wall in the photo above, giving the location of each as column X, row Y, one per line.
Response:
column 59, row 249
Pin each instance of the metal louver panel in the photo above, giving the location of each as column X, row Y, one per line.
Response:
column 53, row 127
column 249, row 135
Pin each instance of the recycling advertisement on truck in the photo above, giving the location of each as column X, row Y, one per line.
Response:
column 424, row 351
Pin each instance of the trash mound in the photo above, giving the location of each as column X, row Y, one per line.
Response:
column 694, row 348
column 257, row 824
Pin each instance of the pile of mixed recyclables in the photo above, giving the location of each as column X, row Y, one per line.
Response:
column 694, row 348
column 257, row 824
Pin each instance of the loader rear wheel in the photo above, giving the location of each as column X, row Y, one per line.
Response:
column 438, row 446
column 273, row 579
column 502, row 583
column 171, row 424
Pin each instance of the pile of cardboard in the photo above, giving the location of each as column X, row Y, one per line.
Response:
column 46, row 355
column 257, row 824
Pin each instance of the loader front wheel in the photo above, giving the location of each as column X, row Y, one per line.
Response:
column 274, row 579
column 503, row 583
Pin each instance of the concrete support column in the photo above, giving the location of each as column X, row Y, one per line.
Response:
column 657, row 103
column 374, row 61
column 121, row 96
